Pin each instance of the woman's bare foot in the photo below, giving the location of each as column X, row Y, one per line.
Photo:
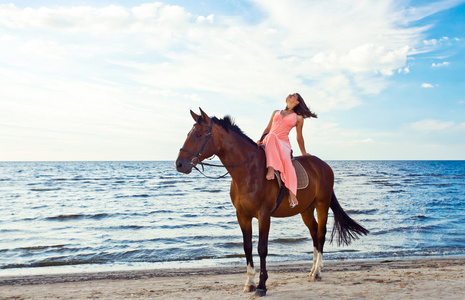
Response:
column 270, row 174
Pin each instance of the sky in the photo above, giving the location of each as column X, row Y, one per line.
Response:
column 115, row 80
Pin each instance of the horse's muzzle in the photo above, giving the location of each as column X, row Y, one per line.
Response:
column 183, row 165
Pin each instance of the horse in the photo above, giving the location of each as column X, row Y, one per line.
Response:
column 254, row 196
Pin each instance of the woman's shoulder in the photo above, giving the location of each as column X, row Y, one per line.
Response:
column 274, row 112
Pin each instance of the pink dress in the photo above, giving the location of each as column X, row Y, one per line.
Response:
column 278, row 149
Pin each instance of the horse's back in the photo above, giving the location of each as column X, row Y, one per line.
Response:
column 319, row 172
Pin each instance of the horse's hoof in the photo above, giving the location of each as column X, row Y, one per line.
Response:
column 249, row 288
column 260, row 292
column 315, row 278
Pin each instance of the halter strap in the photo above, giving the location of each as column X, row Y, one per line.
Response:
column 207, row 137
column 199, row 153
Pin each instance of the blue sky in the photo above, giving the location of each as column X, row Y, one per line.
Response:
column 115, row 80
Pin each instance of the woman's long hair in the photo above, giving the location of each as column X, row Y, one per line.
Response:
column 302, row 109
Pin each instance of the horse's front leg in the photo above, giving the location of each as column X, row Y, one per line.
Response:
column 264, row 229
column 246, row 227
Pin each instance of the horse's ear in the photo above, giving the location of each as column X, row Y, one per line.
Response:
column 195, row 116
column 205, row 117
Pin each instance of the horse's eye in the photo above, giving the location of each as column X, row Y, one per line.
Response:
column 198, row 135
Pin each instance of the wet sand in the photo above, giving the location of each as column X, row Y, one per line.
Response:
column 423, row 278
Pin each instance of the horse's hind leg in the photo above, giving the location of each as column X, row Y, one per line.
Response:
column 309, row 219
column 322, row 214
column 246, row 227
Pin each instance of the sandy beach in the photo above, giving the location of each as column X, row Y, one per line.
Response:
column 423, row 278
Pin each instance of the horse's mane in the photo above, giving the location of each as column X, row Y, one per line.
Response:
column 229, row 124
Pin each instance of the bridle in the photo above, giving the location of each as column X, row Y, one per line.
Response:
column 207, row 137
column 199, row 153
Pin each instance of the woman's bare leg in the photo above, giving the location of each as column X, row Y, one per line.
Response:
column 270, row 173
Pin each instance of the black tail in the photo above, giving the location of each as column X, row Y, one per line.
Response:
column 346, row 228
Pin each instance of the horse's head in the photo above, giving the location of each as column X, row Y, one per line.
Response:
column 198, row 145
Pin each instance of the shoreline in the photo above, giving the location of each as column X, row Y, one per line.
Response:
column 423, row 277
column 301, row 266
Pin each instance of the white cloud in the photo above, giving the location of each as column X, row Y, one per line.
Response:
column 146, row 11
column 443, row 64
column 365, row 141
column 365, row 58
column 209, row 19
column 157, row 56
column 151, row 17
column 198, row 52
column 42, row 49
column 429, row 125
column 405, row 70
column 419, row 12
column 433, row 42
column 8, row 38
column 427, row 85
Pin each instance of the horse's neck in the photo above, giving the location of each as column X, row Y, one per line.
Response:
column 240, row 157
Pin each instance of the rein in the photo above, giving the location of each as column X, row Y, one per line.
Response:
column 199, row 153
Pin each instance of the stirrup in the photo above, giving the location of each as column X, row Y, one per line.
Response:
column 292, row 204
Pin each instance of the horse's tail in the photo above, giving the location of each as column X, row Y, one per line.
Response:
column 346, row 228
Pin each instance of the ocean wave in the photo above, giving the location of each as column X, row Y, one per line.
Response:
column 135, row 196
column 419, row 217
column 397, row 191
column 362, row 211
column 189, row 216
column 8, row 230
column 290, row 240
column 415, row 228
column 160, row 212
column 184, row 226
column 147, row 212
column 228, row 245
column 45, row 189
column 383, row 183
column 59, row 261
column 124, row 227
column 66, row 217
column 173, row 182
column 77, row 217
column 44, row 247
column 213, row 191
column 176, row 194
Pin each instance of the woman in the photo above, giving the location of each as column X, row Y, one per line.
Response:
column 277, row 145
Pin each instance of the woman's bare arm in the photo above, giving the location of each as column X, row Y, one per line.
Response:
column 300, row 138
column 268, row 128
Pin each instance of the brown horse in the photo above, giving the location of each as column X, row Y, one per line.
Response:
column 255, row 197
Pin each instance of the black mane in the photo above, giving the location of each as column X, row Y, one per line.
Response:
column 229, row 125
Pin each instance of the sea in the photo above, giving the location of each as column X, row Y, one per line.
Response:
column 61, row 217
